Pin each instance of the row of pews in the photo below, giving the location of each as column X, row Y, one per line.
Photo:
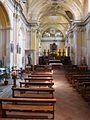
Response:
column 32, row 99
column 80, row 80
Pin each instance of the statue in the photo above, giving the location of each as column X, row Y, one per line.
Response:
column 44, row 52
column 59, row 52
column 29, row 59
column 63, row 52
column 48, row 52
column 54, row 47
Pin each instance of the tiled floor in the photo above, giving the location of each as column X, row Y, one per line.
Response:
column 5, row 90
column 69, row 106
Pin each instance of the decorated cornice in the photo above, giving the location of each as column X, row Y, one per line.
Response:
column 7, row 28
column 79, row 24
column 82, row 23
column 19, row 8
column 87, row 19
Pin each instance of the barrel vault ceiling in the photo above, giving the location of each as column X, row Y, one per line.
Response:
column 54, row 13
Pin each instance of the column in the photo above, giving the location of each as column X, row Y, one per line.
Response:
column 14, row 39
column 28, row 40
column 8, row 47
column 4, row 46
column 77, row 45
column 74, row 48
column 83, row 45
column 71, row 46
column 0, row 44
column 33, row 44
column 88, row 45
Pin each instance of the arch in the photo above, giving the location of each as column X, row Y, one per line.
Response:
column 58, row 14
column 41, row 6
column 4, row 35
column 51, row 28
column 4, row 19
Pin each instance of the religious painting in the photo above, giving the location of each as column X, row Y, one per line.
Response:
column 53, row 47
column 17, row 47
column 12, row 47
column 19, row 50
column 22, row 60
column 68, row 51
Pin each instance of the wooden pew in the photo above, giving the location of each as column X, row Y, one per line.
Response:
column 39, row 75
column 70, row 75
column 38, row 79
column 33, row 92
column 19, row 105
column 86, row 90
column 20, row 119
column 78, row 78
column 75, row 76
column 40, row 84
column 79, row 83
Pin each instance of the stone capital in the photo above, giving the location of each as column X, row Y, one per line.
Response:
column 83, row 29
column 7, row 28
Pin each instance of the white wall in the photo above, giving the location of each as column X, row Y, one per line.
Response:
column 15, row 36
column 46, row 45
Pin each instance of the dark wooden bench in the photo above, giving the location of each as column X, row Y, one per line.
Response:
column 40, row 75
column 40, row 84
column 86, row 90
column 22, row 105
column 38, row 79
column 78, row 78
column 34, row 95
column 76, row 74
column 33, row 92
column 11, row 119
column 79, row 83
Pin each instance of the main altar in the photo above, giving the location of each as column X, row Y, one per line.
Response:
column 53, row 54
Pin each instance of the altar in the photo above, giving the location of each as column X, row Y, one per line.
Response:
column 52, row 54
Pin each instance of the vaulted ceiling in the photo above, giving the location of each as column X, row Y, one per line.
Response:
column 54, row 13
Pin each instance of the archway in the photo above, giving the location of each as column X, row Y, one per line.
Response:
column 4, row 36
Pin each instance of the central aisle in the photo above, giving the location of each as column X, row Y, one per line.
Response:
column 69, row 104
